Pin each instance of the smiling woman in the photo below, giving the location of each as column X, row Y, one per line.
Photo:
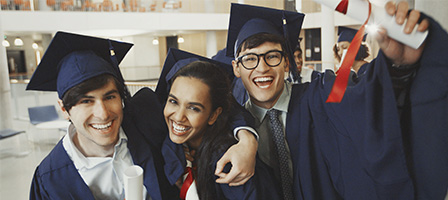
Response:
column 197, row 115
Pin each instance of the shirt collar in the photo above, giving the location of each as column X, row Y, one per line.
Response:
column 281, row 105
column 79, row 160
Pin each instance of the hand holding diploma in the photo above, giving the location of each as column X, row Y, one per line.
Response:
column 133, row 183
column 359, row 9
column 400, row 38
column 398, row 52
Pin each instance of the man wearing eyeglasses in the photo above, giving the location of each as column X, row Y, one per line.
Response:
column 350, row 150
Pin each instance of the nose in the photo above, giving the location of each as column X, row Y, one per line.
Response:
column 101, row 111
column 262, row 66
column 178, row 115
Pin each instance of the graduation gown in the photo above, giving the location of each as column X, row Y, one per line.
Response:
column 57, row 178
column 355, row 149
column 352, row 149
column 261, row 186
column 425, row 118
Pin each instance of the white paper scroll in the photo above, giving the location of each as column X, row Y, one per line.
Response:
column 359, row 10
column 133, row 183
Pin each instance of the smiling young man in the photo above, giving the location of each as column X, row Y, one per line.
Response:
column 109, row 131
column 318, row 150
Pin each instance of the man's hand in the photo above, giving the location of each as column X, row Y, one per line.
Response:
column 399, row 53
column 242, row 157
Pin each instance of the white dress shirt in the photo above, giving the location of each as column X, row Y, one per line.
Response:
column 103, row 175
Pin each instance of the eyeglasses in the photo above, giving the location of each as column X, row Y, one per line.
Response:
column 250, row 61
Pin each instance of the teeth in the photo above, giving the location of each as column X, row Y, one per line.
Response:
column 179, row 128
column 102, row 126
column 263, row 79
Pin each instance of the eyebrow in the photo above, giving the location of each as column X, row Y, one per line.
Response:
column 191, row 103
column 107, row 94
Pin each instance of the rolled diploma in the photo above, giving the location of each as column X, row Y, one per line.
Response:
column 133, row 183
column 359, row 10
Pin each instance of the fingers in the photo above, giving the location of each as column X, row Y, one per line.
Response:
column 423, row 26
column 241, row 182
column 414, row 15
column 227, row 179
column 221, row 164
column 401, row 12
column 234, row 177
column 402, row 15
column 381, row 37
column 390, row 8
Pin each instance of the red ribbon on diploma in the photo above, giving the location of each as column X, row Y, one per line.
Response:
column 340, row 84
column 187, row 183
column 342, row 6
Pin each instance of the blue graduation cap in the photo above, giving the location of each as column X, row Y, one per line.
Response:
column 347, row 34
column 71, row 59
column 238, row 89
column 222, row 57
column 246, row 20
column 175, row 60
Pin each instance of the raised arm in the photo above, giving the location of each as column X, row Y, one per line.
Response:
column 397, row 52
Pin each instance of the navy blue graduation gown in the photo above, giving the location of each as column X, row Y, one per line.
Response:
column 425, row 120
column 57, row 178
column 349, row 150
column 355, row 149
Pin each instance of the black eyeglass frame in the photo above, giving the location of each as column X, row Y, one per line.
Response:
column 282, row 54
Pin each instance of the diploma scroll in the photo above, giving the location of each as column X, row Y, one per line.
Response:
column 133, row 183
column 359, row 9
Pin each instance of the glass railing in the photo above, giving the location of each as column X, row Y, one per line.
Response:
column 184, row 6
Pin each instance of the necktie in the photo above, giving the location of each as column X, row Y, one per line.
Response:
column 280, row 147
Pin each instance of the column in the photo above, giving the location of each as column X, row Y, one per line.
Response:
column 299, row 6
column 5, row 88
column 327, row 35
column 211, row 46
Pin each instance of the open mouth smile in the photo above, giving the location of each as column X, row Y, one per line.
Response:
column 179, row 129
column 263, row 82
column 102, row 126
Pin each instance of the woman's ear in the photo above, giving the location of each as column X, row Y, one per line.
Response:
column 212, row 119
column 64, row 111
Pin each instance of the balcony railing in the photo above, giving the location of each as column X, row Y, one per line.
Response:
column 184, row 6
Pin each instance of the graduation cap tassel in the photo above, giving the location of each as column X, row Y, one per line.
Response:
column 127, row 94
column 292, row 64
column 340, row 84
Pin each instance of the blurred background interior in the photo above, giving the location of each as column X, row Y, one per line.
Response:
column 154, row 26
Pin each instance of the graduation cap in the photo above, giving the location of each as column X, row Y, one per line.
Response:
column 222, row 57
column 238, row 89
column 246, row 20
column 175, row 60
column 347, row 34
column 71, row 59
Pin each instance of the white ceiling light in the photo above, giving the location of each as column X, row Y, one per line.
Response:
column 18, row 42
column 35, row 46
column 5, row 43
column 180, row 39
column 155, row 41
